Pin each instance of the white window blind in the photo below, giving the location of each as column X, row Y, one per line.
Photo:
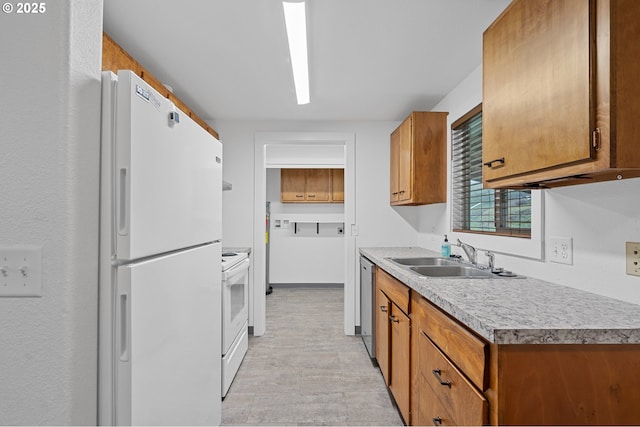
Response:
column 478, row 210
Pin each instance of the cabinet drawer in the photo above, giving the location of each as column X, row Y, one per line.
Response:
column 430, row 409
column 395, row 290
column 457, row 395
column 468, row 352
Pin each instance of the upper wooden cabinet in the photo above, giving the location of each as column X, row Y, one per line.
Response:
column 311, row 186
column 419, row 160
column 337, row 185
column 292, row 185
column 115, row 58
column 560, row 97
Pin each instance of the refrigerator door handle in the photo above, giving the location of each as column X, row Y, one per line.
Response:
column 124, row 327
column 122, row 202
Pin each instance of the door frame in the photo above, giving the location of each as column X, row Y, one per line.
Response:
column 262, row 139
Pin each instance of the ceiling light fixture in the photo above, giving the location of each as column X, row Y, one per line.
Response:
column 295, row 18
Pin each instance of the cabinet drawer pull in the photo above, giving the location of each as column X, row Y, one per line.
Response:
column 311, row 195
column 383, row 308
column 436, row 373
column 596, row 139
column 393, row 319
column 437, row 421
column 490, row 163
column 299, row 195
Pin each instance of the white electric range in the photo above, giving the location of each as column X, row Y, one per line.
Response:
column 235, row 314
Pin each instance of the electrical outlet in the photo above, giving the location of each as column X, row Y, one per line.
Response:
column 20, row 271
column 561, row 250
column 633, row 258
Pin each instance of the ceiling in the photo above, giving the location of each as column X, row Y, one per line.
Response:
column 368, row 59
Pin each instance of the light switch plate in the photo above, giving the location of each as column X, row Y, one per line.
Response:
column 561, row 250
column 20, row 271
column 633, row 258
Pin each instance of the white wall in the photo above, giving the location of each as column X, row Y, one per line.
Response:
column 315, row 254
column 379, row 223
column 49, row 168
column 298, row 258
column 599, row 217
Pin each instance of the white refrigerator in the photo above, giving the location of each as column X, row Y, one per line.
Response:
column 160, row 261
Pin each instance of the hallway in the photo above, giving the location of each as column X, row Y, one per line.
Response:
column 305, row 371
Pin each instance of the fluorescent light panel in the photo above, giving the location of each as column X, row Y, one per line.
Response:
column 295, row 18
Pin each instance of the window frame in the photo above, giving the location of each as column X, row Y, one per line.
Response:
column 530, row 248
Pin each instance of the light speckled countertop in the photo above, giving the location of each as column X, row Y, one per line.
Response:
column 519, row 311
column 236, row 249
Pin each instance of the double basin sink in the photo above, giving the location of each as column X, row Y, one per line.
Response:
column 448, row 268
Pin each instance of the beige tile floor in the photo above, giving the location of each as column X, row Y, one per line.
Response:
column 305, row 371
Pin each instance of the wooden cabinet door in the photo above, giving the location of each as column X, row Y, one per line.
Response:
column 337, row 185
column 537, row 107
column 400, row 368
column 418, row 160
column 455, row 392
column 382, row 309
column 318, row 186
column 405, row 161
column 431, row 411
column 292, row 185
column 393, row 167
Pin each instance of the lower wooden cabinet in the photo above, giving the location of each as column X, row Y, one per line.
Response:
column 393, row 332
column 400, row 360
column 457, row 395
column 431, row 411
column 442, row 373
column 383, row 348
column 458, row 374
column 444, row 394
column 570, row 384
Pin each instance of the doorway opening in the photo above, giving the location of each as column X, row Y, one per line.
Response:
column 305, row 150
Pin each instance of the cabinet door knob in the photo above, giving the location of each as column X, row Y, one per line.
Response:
column 401, row 192
column 395, row 193
column 436, row 373
column 490, row 163
column 393, row 319
column 437, row 421
column 383, row 308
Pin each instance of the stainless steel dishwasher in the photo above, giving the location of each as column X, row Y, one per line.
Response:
column 367, row 299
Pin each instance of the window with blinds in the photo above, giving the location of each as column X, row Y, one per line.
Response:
column 478, row 210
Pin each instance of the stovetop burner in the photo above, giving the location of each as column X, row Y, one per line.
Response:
column 230, row 259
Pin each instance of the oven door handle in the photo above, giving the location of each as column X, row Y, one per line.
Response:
column 236, row 270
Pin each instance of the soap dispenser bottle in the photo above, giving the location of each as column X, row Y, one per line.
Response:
column 445, row 249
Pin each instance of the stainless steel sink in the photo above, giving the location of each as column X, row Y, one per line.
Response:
column 460, row 271
column 423, row 261
column 449, row 268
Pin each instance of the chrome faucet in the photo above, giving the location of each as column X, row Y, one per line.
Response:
column 471, row 252
column 492, row 260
